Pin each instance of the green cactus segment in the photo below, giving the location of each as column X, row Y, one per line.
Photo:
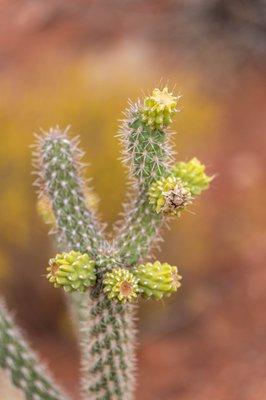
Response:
column 159, row 108
column 148, row 153
column 60, row 171
column 72, row 271
column 120, row 285
column 140, row 228
column 25, row 368
column 108, row 361
column 45, row 209
column 156, row 280
column 169, row 196
column 145, row 146
column 193, row 175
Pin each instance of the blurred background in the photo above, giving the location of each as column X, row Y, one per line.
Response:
column 65, row 62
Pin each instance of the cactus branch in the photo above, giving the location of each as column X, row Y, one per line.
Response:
column 148, row 153
column 108, row 350
column 24, row 366
column 105, row 327
column 60, row 177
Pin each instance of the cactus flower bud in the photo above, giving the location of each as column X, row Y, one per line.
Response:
column 73, row 271
column 159, row 108
column 169, row 196
column 156, row 280
column 193, row 175
column 120, row 285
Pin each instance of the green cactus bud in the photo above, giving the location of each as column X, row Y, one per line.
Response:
column 193, row 175
column 157, row 280
column 159, row 108
column 120, row 285
column 73, row 271
column 45, row 210
column 169, row 196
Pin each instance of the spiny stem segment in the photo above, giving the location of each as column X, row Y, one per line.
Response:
column 148, row 153
column 105, row 327
column 60, row 178
column 25, row 368
column 108, row 339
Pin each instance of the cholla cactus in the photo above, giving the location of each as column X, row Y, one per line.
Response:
column 105, row 277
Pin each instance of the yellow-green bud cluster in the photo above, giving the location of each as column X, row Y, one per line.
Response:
column 120, row 285
column 159, row 108
column 72, row 271
column 156, row 280
column 169, row 196
column 151, row 280
column 75, row 271
column 193, row 175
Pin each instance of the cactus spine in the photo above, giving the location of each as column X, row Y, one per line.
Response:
column 105, row 276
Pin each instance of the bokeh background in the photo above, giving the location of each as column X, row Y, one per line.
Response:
column 65, row 62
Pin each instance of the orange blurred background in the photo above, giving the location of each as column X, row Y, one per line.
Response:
column 77, row 63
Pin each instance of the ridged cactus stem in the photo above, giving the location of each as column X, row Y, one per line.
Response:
column 108, row 358
column 25, row 368
column 59, row 177
column 105, row 326
column 137, row 232
column 148, row 154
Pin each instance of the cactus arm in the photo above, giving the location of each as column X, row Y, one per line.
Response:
column 140, row 228
column 107, row 345
column 107, row 339
column 59, row 177
column 24, row 366
column 105, row 328
column 148, row 153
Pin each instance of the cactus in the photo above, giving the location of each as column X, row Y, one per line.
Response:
column 105, row 278
column 24, row 367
